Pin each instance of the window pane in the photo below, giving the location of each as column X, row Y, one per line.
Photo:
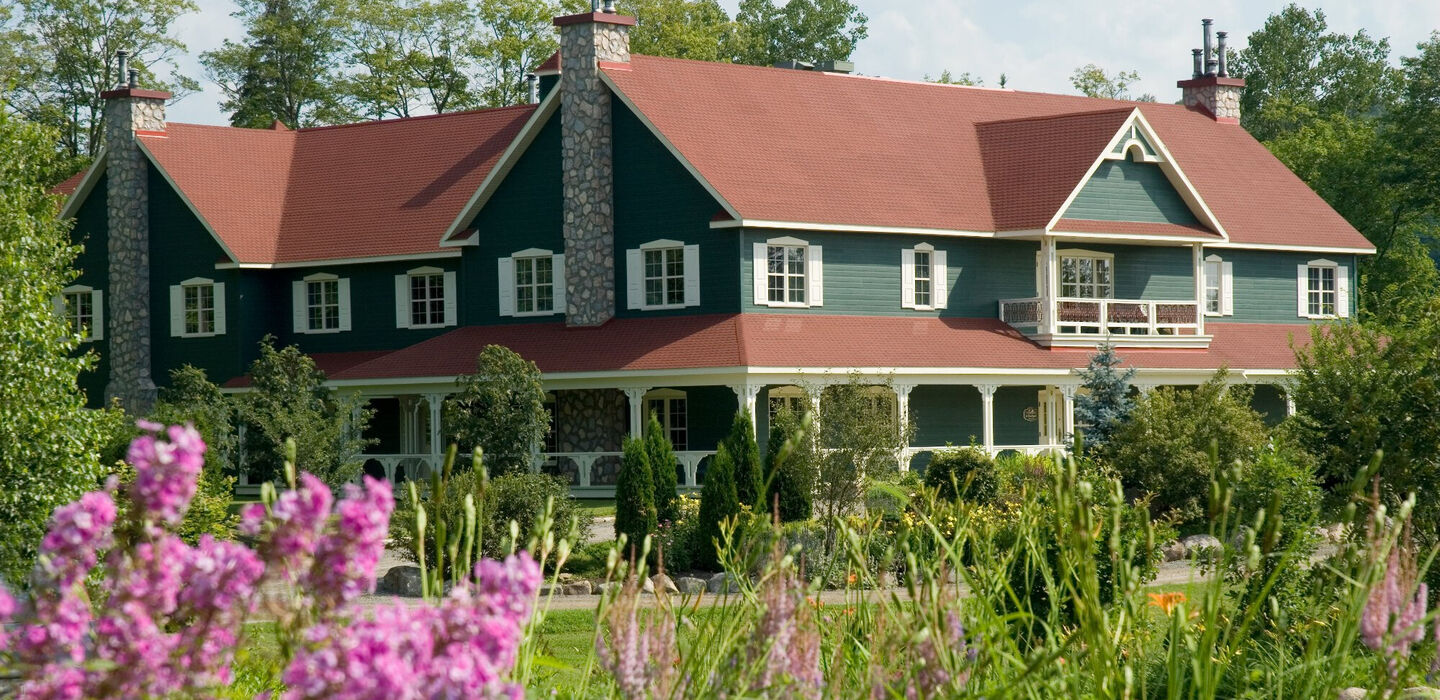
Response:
column 524, row 299
column 544, row 271
column 654, row 292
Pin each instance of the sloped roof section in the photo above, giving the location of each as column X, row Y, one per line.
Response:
column 824, row 148
column 363, row 190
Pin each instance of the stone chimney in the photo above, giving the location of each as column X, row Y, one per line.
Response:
column 1210, row 90
column 589, row 41
column 129, row 110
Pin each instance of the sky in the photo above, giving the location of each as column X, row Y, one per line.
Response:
column 1037, row 44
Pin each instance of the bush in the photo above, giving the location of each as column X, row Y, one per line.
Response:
column 789, row 468
column 662, row 468
column 718, row 502
column 1164, row 449
column 191, row 397
column 677, row 542
column 745, row 453
column 634, row 497
column 499, row 409
column 965, row 472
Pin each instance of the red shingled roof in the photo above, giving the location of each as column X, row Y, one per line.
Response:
column 328, row 362
column 361, row 190
column 70, row 183
column 805, row 341
column 803, row 146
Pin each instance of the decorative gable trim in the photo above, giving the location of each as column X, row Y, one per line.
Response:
column 1135, row 125
column 189, row 204
column 508, row 159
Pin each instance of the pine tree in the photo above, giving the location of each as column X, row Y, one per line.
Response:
column 718, row 501
column 634, row 495
column 662, row 468
column 789, row 472
column 1105, row 404
column 745, row 452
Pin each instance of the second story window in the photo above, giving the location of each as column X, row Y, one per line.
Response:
column 662, row 274
column 1087, row 276
column 425, row 298
column 787, row 272
column 665, row 277
column 321, row 304
column 83, row 309
column 1324, row 288
column 197, row 308
column 532, row 283
column 1219, row 287
column 923, row 278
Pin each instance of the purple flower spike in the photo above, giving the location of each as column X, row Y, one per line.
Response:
column 166, row 472
column 345, row 559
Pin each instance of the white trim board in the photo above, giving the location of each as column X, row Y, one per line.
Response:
column 437, row 255
column 86, row 184
column 848, row 228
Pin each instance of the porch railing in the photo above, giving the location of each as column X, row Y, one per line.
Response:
column 587, row 472
column 1102, row 316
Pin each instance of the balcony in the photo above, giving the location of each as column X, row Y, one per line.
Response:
column 1077, row 322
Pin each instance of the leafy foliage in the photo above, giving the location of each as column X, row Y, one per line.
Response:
column 635, row 495
column 789, row 468
column 49, row 442
column 699, row 30
column 661, row 455
column 718, row 503
column 801, row 30
column 1105, row 404
column 192, row 398
column 288, row 399
column 500, row 409
column 1164, row 449
column 965, row 472
column 286, row 69
column 1092, row 81
column 860, row 435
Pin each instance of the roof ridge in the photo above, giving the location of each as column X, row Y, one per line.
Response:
column 1062, row 115
column 418, row 117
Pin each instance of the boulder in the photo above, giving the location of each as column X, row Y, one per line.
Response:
column 1202, row 545
column 576, row 587
column 606, row 586
column 402, row 581
column 662, row 583
column 1420, row 693
column 1352, row 694
column 689, row 585
column 723, row 583
column 647, row 586
column 1175, row 551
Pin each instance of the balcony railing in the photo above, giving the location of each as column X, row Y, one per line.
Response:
column 1075, row 316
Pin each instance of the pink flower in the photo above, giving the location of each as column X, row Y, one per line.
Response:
column 641, row 659
column 1391, row 621
column 345, row 559
column 166, row 472
column 77, row 532
column 7, row 609
column 294, row 525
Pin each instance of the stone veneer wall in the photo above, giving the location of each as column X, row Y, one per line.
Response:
column 128, row 212
column 1223, row 101
column 592, row 420
column 587, row 152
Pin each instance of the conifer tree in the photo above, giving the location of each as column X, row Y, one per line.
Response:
column 789, row 471
column 1105, row 404
column 662, row 470
column 746, row 455
column 634, row 495
column 718, row 501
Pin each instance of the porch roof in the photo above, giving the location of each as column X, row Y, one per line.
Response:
column 797, row 341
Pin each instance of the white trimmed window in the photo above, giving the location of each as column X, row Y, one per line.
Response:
column 1219, row 279
column 662, row 274
column 197, row 308
column 321, row 304
column 1323, row 288
column 1086, row 275
column 788, row 272
column 83, row 308
column 532, row 283
column 425, row 298
column 791, row 397
column 669, row 407
column 922, row 278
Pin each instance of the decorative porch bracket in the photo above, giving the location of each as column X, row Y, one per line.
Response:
column 636, row 397
column 746, row 393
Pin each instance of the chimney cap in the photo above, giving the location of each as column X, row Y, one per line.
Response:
column 594, row 18
column 793, row 64
column 834, row 66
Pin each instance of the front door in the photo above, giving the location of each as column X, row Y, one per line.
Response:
column 1052, row 416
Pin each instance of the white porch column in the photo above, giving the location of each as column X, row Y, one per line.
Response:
column 1289, row 404
column 435, row 401
column 902, row 406
column 1068, row 391
column 1199, row 256
column 987, row 415
column 746, row 393
column 1051, row 285
column 636, row 396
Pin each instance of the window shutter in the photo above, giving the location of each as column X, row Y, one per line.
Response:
column 940, row 287
column 1227, row 289
column 344, row 288
column 219, row 308
column 634, row 279
column 1342, row 291
column 907, row 278
column 1301, row 275
column 402, row 301
column 559, row 266
column 815, row 264
column 452, row 299
column 97, row 302
column 507, row 286
column 297, row 306
column 177, row 311
column 692, row 275
column 759, row 272
column 59, row 305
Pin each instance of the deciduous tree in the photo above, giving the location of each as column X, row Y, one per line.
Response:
column 801, row 30
column 500, row 409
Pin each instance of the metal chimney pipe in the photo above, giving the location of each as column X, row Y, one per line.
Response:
column 1195, row 54
column 532, row 87
column 122, row 71
column 1209, row 53
column 134, row 74
column 609, row 7
column 1220, row 54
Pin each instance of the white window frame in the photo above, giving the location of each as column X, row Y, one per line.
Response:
column 1222, row 280
column 637, row 279
column 667, row 399
column 508, row 286
column 179, row 311
column 813, row 273
column 792, row 396
column 1075, row 253
column 1341, row 289
column 300, row 301
column 95, row 330
column 405, row 298
column 937, row 279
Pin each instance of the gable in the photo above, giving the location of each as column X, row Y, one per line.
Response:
column 1126, row 190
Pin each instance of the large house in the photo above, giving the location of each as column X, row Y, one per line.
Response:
column 690, row 238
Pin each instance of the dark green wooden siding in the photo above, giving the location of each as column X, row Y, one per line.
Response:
column 1269, row 402
column 1145, row 272
column 93, row 268
column 946, row 414
column 372, row 307
column 1122, row 190
column 1011, row 428
column 1266, row 286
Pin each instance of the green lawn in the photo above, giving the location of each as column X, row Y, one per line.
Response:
column 598, row 507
